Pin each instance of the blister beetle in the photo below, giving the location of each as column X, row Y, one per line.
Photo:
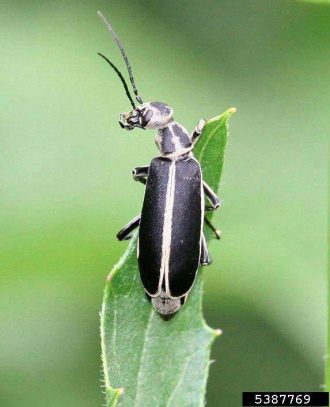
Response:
column 171, row 243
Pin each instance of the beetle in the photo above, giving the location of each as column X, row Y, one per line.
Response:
column 171, row 243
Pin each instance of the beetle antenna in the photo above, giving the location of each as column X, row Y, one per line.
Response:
column 122, row 50
column 113, row 66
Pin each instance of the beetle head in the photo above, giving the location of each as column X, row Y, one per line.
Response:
column 151, row 115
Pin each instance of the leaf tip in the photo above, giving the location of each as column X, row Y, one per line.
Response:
column 224, row 116
column 217, row 332
column 227, row 114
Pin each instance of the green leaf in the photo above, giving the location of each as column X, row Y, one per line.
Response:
column 148, row 361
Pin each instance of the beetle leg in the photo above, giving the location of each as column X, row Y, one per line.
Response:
column 125, row 232
column 141, row 174
column 212, row 197
column 216, row 231
column 205, row 259
column 198, row 131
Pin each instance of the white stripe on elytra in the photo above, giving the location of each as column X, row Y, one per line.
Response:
column 167, row 228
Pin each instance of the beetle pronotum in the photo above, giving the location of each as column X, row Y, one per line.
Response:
column 171, row 243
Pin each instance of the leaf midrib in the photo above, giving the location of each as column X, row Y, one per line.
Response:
column 143, row 352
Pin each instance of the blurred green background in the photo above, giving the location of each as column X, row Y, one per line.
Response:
column 66, row 186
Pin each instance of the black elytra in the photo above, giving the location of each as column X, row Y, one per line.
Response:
column 169, row 255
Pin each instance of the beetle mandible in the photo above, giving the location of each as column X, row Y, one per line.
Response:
column 171, row 242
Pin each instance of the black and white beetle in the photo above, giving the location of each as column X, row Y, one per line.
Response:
column 171, row 243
